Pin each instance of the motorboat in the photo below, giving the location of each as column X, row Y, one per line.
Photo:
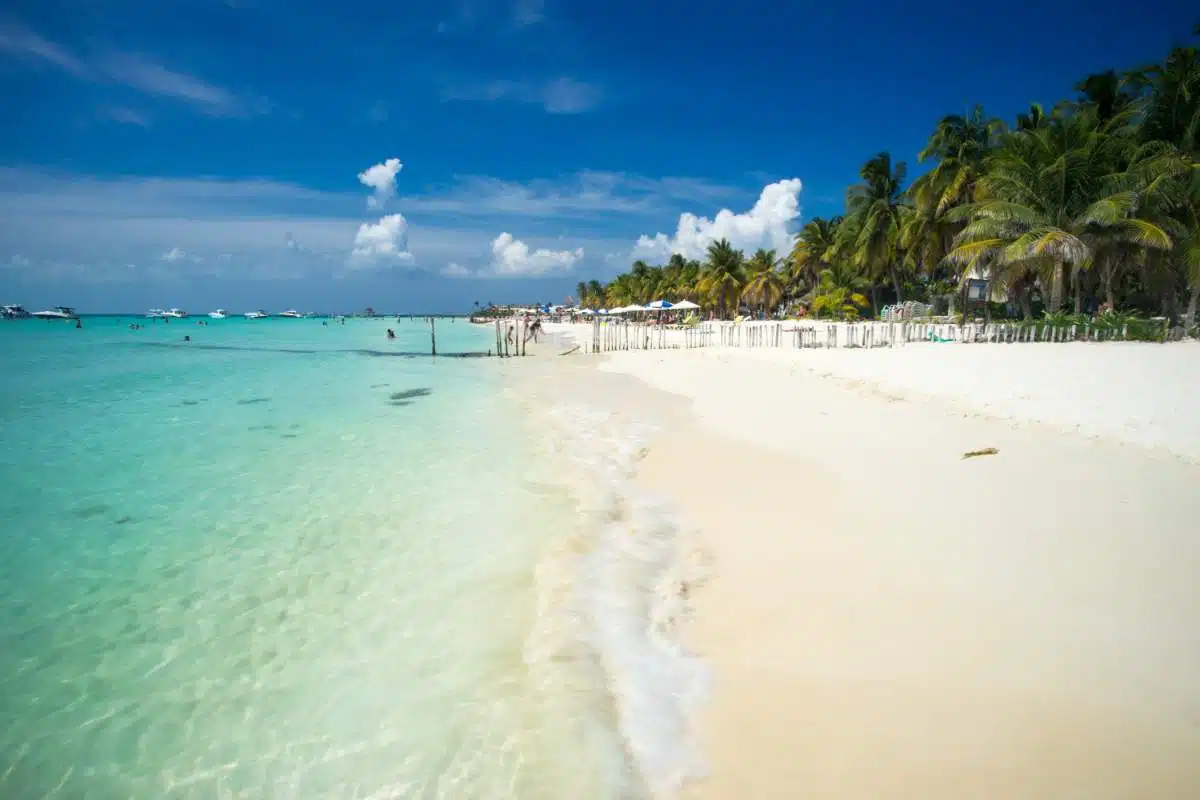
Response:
column 218, row 314
column 155, row 313
column 175, row 313
column 291, row 313
column 260, row 314
column 13, row 312
column 58, row 312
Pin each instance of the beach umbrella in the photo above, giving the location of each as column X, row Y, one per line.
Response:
column 587, row 311
column 685, row 304
column 659, row 305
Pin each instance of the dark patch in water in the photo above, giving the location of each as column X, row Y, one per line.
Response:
column 400, row 402
column 294, row 426
column 378, row 385
column 190, row 403
column 290, row 436
column 87, row 512
column 296, row 350
column 253, row 400
column 123, row 521
column 267, row 427
column 408, row 394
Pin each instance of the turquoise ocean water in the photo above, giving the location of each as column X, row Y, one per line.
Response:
column 279, row 561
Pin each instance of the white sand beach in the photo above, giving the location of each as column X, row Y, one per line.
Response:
column 886, row 619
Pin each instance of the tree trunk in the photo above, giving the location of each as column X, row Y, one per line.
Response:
column 1078, row 280
column 1109, row 274
column 1189, row 318
column 1056, row 288
column 1026, row 299
column 896, row 284
column 874, row 301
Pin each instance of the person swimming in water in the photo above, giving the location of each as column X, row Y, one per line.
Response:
column 391, row 333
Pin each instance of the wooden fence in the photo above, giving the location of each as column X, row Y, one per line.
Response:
column 610, row 337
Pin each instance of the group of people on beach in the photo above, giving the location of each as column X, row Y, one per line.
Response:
column 532, row 329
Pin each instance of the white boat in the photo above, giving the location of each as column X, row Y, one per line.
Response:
column 291, row 313
column 260, row 314
column 155, row 313
column 58, row 312
column 13, row 312
column 218, row 314
column 175, row 313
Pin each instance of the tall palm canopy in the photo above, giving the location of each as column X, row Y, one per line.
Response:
column 1092, row 201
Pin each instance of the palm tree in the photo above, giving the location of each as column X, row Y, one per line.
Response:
column 1107, row 92
column 961, row 145
column 1033, row 119
column 876, row 202
column 811, row 253
column 1171, row 99
column 764, row 284
column 1044, row 192
column 723, row 276
column 595, row 293
column 840, row 291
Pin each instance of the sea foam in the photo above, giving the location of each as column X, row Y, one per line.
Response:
column 633, row 566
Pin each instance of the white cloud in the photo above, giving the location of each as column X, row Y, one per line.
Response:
column 558, row 96
column 764, row 225
column 381, row 178
column 513, row 257
column 174, row 254
column 382, row 243
column 453, row 270
column 256, row 229
column 155, row 79
column 22, row 43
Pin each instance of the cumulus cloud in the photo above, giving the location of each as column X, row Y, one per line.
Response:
column 453, row 270
column 174, row 254
column 381, row 178
column 382, row 243
column 513, row 257
column 764, row 225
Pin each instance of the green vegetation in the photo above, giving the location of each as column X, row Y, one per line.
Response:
column 1093, row 205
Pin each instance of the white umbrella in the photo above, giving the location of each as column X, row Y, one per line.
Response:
column 659, row 305
column 685, row 304
column 587, row 311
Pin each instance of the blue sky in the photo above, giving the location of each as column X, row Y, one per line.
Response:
column 208, row 152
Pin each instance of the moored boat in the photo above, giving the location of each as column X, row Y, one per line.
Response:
column 58, row 312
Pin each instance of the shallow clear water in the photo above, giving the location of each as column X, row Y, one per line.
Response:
column 276, row 562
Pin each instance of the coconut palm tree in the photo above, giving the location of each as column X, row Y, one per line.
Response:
column 840, row 292
column 876, row 203
column 764, row 282
column 1107, row 92
column 723, row 276
column 1044, row 190
column 811, row 253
